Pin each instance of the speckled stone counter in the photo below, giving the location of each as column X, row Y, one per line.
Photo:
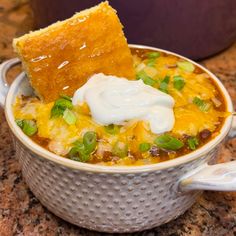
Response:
column 214, row 213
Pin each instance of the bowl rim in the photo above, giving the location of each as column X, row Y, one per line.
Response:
column 47, row 155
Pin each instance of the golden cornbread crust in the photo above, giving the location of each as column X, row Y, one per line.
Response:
column 60, row 58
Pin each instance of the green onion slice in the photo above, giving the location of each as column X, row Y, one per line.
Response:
column 112, row 129
column 151, row 62
column 164, row 84
column 57, row 111
column 120, row 149
column 19, row 122
column 82, row 149
column 146, row 79
column 65, row 103
column 60, row 106
column 78, row 148
column 69, row 117
column 168, row 142
column 153, row 55
column 193, row 142
column 66, row 97
column 186, row 66
column 144, row 147
column 178, row 82
column 90, row 141
column 202, row 105
column 29, row 127
column 78, row 152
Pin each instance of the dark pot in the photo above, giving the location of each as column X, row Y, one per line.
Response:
column 196, row 29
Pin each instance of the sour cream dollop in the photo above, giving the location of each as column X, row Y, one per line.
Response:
column 114, row 100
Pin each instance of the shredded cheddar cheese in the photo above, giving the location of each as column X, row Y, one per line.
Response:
column 190, row 120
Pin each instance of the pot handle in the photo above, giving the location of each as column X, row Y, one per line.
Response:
column 219, row 177
column 4, row 67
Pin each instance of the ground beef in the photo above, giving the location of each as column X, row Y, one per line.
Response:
column 205, row 134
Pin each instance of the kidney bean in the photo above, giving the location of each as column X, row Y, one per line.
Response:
column 154, row 151
column 204, row 134
column 107, row 156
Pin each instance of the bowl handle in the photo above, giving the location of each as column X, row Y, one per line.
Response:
column 4, row 67
column 232, row 132
column 219, row 177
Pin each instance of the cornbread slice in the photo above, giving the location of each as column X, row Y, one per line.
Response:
column 60, row 58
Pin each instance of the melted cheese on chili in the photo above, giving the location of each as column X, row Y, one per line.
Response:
column 189, row 119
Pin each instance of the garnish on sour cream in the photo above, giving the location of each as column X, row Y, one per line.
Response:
column 114, row 100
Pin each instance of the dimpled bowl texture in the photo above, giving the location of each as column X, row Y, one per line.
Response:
column 108, row 202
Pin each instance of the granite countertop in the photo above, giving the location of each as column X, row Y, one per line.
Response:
column 214, row 213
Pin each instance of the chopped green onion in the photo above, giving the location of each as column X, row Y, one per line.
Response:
column 60, row 106
column 164, row 84
column 90, row 141
column 78, row 148
column 84, row 157
column 19, row 123
column 168, row 142
column 151, row 62
column 153, row 55
column 79, row 152
column 29, row 127
column 149, row 81
column 193, row 142
column 66, row 97
column 186, row 66
column 78, row 142
column 202, row 105
column 69, row 117
column 120, row 149
column 144, row 147
column 82, row 149
column 112, row 129
column 178, row 82
column 146, row 79
column 197, row 101
column 57, row 111
column 62, row 102
column 205, row 107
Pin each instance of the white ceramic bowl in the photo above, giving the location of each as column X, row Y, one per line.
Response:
column 117, row 199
